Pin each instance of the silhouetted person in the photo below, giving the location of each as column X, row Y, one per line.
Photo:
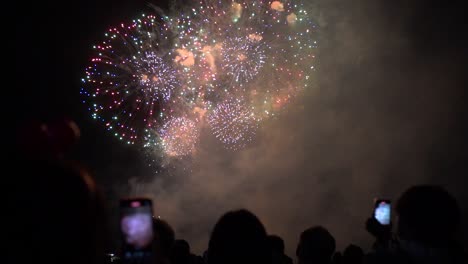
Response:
column 180, row 252
column 337, row 258
column 352, row 255
column 61, row 214
column 316, row 246
column 276, row 245
column 205, row 256
column 164, row 238
column 238, row 237
column 41, row 140
column 428, row 221
column 58, row 209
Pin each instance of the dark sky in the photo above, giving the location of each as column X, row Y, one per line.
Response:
column 391, row 87
column 53, row 46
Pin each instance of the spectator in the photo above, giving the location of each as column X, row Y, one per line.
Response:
column 180, row 252
column 276, row 245
column 316, row 246
column 428, row 215
column 205, row 256
column 337, row 258
column 164, row 240
column 428, row 220
column 59, row 209
column 238, row 237
column 44, row 140
column 352, row 255
column 66, row 210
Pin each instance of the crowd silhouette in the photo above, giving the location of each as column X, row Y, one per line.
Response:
column 64, row 222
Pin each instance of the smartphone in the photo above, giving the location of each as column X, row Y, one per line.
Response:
column 136, row 226
column 382, row 211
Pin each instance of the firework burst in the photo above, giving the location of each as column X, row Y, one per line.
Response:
column 233, row 123
column 229, row 63
column 179, row 136
column 129, row 79
column 243, row 57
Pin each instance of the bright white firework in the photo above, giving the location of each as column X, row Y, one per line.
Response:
column 243, row 57
column 233, row 124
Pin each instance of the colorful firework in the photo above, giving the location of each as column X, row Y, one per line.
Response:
column 251, row 47
column 129, row 80
column 179, row 136
column 231, row 63
column 243, row 57
column 157, row 80
column 233, row 123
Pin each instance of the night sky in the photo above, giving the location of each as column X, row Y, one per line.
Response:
column 369, row 87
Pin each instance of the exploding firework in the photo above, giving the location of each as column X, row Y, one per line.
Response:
column 233, row 124
column 243, row 57
column 244, row 48
column 290, row 58
column 157, row 80
column 179, row 136
column 129, row 79
column 229, row 63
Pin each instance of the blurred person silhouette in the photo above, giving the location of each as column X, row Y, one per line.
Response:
column 180, row 252
column 428, row 220
column 352, row 255
column 205, row 256
column 238, row 237
column 61, row 214
column 337, row 258
column 59, row 209
column 316, row 246
column 182, row 247
column 38, row 140
column 276, row 245
column 164, row 237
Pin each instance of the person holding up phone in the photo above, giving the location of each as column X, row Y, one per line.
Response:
column 428, row 218
column 136, row 226
column 380, row 224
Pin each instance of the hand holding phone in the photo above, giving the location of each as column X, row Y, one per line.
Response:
column 379, row 224
column 136, row 226
column 382, row 211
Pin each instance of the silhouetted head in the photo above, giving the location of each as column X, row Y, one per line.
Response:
column 353, row 255
column 316, row 245
column 238, row 237
column 180, row 252
column 428, row 215
column 164, row 237
column 276, row 244
column 181, row 247
column 41, row 140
